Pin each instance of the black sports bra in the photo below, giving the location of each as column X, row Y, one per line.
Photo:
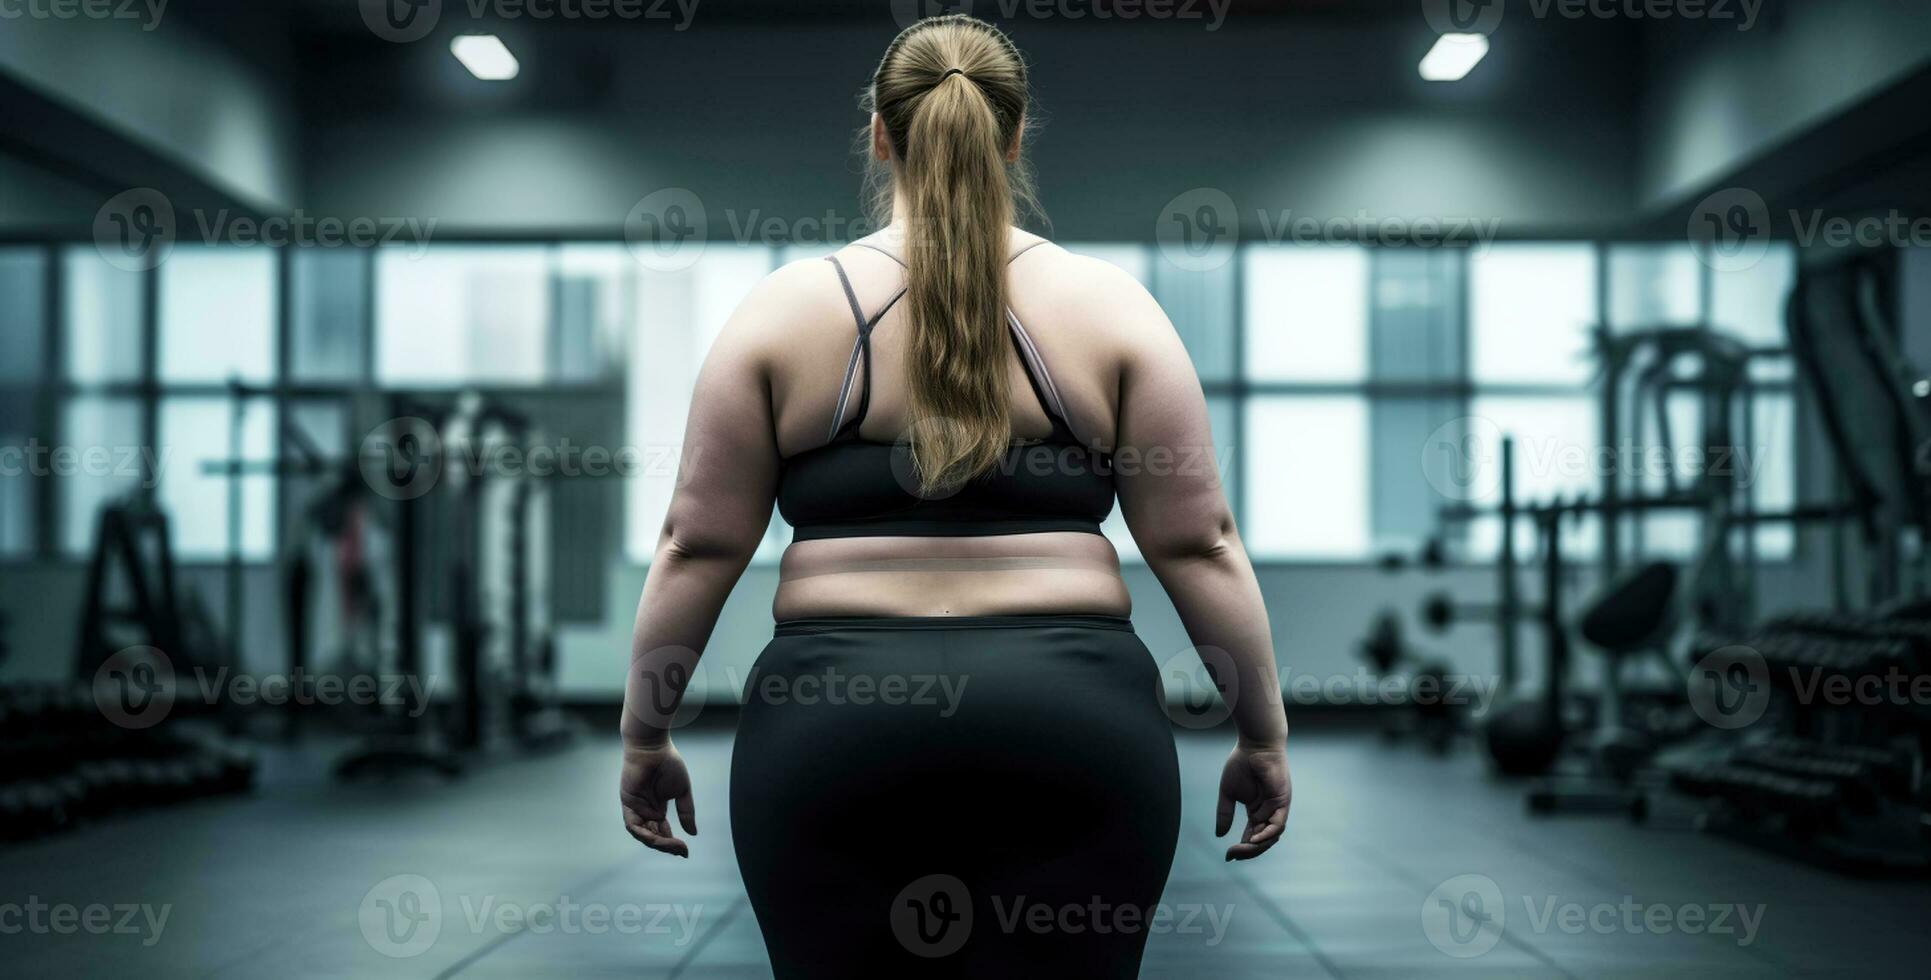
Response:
column 853, row 488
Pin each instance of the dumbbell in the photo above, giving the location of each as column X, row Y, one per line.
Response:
column 117, row 785
column 1440, row 611
column 1433, row 555
column 153, row 783
column 1893, row 771
column 1855, row 783
column 30, row 809
column 100, row 788
column 15, row 820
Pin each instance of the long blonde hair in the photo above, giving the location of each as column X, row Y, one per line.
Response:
column 952, row 94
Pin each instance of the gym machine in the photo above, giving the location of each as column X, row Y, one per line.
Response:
column 513, row 688
column 123, row 732
column 1431, row 717
column 1824, row 730
column 1640, row 613
column 502, row 658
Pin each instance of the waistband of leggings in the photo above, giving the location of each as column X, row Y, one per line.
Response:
column 836, row 624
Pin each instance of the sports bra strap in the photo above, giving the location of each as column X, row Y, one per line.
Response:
column 1034, row 364
column 1029, row 247
column 861, row 349
column 1030, row 359
column 881, row 251
column 861, row 243
column 858, row 312
column 858, row 345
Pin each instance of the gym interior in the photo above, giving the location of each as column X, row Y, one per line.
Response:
column 1568, row 366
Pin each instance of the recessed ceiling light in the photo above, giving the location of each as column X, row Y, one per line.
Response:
column 485, row 56
column 1453, row 56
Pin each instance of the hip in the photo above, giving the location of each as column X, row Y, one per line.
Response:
column 963, row 677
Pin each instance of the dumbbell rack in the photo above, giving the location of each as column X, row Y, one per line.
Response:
column 1839, row 785
column 67, row 764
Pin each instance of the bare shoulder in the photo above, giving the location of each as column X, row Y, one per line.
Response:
column 1098, row 302
column 795, row 302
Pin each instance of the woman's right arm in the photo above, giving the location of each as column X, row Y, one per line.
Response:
column 726, row 481
column 1168, row 477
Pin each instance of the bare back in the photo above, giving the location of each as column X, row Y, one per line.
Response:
column 1051, row 572
column 771, row 391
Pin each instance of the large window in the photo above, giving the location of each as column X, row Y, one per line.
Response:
column 1376, row 386
column 1353, row 391
column 1531, row 310
column 1307, row 425
column 456, row 315
column 216, row 325
column 679, row 314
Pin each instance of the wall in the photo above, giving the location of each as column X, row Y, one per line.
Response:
column 30, row 197
column 1716, row 100
column 1326, row 120
column 169, row 90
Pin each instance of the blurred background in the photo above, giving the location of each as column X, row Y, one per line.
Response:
column 1566, row 362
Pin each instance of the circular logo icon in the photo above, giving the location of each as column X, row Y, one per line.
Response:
column 135, row 688
column 1198, row 230
column 666, row 230
column 669, row 684
column 1463, row 917
column 909, row 12
column 1462, row 459
column 1730, row 687
column 134, row 230
column 1198, row 687
column 402, row 458
column 932, row 917
column 401, row 21
column 401, row 916
column 1463, row 16
column 1730, row 230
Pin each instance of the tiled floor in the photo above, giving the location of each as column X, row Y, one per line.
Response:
column 300, row 880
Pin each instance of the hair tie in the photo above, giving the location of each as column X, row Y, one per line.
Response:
column 949, row 72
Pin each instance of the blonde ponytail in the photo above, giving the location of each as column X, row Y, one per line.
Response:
column 952, row 94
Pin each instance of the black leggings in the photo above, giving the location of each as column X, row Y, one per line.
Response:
column 970, row 796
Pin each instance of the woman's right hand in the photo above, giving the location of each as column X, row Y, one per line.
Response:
column 1257, row 777
column 654, row 779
